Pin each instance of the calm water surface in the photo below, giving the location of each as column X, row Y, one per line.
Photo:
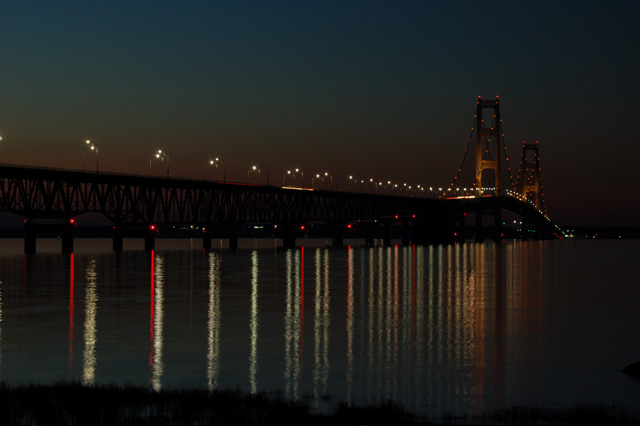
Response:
column 457, row 328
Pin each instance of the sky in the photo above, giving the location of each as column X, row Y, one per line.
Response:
column 377, row 89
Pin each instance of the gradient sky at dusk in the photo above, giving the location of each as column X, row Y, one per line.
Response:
column 375, row 89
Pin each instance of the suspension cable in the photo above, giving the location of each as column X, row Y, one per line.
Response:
column 466, row 151
column 506, row 157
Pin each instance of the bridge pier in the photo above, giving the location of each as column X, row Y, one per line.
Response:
column 436, row 227
column 117, row 242
column 460, row 224
column 386, row 232
column 29, row 236
column 119, row 234
column 406, row 232
column 64, row 230
column 369, row 229
column 497, row 225
column 233, row 240
column 206, row 241
column 337, row 232
column 150, row 238
column 288, row 233
column 496, row 230
column 67, row 237
column 478, row 235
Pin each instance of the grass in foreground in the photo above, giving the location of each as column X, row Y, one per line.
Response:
column 75, row 404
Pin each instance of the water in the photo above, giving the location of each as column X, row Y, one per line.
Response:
column 439, row 329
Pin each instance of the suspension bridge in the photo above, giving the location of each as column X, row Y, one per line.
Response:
column 50, row 199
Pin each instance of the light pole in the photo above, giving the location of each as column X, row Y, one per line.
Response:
column 313, row 178
column 301, row 180
column 224, row 168
column 321, row 177
column 293, row 174
column 89, row 146
column 257, row 169
column 161, row 155
column 205, row 169
column 326, row 174
column 284, row 176
column 215, row 163
column 375, row 183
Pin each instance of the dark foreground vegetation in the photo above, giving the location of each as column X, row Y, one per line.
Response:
column 75, row 404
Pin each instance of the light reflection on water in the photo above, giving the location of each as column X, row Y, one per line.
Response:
column 156, row 329
column 253, row 356
column 213, row 322
column 90, row 329
column 437, row 328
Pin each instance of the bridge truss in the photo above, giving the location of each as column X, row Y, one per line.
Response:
column 37, row 192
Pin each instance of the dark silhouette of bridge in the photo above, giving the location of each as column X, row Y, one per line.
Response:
column 51, row 199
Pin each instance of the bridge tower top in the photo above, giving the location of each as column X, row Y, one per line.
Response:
column 488, row 136
column 531, row 185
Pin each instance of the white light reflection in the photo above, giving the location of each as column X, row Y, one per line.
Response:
column 157, row 321
column 420, row 324
column 321, row 327
column 349, row 372
column 253, row 357
column 407, row 323
column 72, row 310
column 90, row 331
column 213, row 352
column 294, row 322
column 372, row 331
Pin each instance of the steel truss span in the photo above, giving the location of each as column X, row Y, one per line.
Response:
column 49, row 193
column 38, row 192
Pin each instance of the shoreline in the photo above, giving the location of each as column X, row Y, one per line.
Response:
column 77, row 404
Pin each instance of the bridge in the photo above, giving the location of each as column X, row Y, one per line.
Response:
column 51, row 199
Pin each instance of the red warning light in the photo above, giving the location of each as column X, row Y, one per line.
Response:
column 302, row 227
column 152, row 227
column 72, row 220
column 396, row 216
column 349, row 226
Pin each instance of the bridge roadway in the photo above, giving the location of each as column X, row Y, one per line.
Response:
column 140, row 205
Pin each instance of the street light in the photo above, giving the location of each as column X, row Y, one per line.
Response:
column 293, row 174
column 89, row 146
column 302, row 180
column 375, row 183
column 284, row 176
column 161, row 155
column 313, row 178
column 257, row 169
column 215, row 163
column 326, row 174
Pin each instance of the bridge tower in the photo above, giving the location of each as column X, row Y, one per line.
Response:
column 531, row 182
column 491, row 133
